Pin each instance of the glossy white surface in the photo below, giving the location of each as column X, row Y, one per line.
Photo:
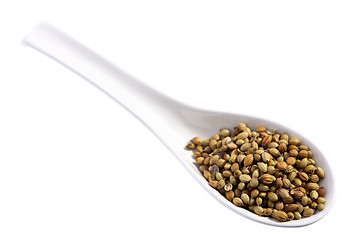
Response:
column 172, row 122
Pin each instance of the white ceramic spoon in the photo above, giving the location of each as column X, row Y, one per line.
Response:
column 172, row 122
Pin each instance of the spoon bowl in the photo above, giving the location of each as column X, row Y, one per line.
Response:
column 174, row 123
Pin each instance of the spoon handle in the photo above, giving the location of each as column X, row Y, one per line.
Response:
column 147, row 104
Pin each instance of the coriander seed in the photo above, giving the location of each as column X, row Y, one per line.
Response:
column 266, row 172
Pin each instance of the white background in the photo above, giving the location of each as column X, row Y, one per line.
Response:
column 75, row 165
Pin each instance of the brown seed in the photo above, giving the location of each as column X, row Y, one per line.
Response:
column 213, row 183
column 226, row 173
column 288, row 200
column 237, row 173
column 290, row 215
column 303, row 176
column 321, row 192
column 321, row 200
column 312, row 186
column 213, row 144
column 289, row 169
column 214, row 170
column 292, row 176
column 199, row 149
column 273, row 145
column 245, row 178
column 221, row 162
column 262, row 167
column 284, row 193
column 237, row 192
column 234, row 167
column 200, row 160
column 233, row 180
column 190, row 146
column 218, row 176
column 254, row 193
column 271, row 168
column 272, row 196
column 207, row 174
column 238, row 202
column 293, row 153
column 225, row 132
column 297, row 215
column 245, row 147
column 230, row 195
column 314, row 178
column 279, row 205
column 240, row 158
column 310, row 169
column 226, row 141
column 203, row 168
column 303, row 147
column 280, row 216
column 213, row 159
column 266, row 157
column 303, row 163
column 262, row 187
column 254, row 182
column 241, row 126
column 286, row 183
column 260, row 129
column 297, row 182
column 259, row 210
column 313, row 205
column 245, row 198
column 266, row 140
column 291, row 207
column 216, row 137
column 206, row 152
column 308, row 212
column 242, row 136
column 274, row 152
column 207, row 161
column 197, row 154
column 279, row 183
column 284, row 136
column 281, row 165
column 267, row 178
column 197, row 140
column 257, row 157
column 258, row 201
column 282, row 147
column 248, row 160
column 305, row 200
column 221, row 184
column 294, row 141
column 303, row 154
column 268, row 211
column 320, row 172
column 320, row 207
column 314, row 195
column 298, row 194
column 291, row 160
column 232, row 146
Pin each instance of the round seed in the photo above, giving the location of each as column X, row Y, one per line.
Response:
column 268, row 173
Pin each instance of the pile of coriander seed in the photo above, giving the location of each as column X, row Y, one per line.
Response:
column 268, row 173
